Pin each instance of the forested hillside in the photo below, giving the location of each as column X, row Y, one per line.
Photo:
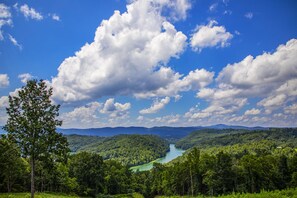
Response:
column 129, row 149
column 247, row 162
column 211, row 137
column 78, row 141
column 198, row 137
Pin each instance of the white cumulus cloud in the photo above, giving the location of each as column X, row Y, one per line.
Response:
column 82, row 116
column 115, row 109
column 156, row 106
column 91, row 115
column 25, row 77
column 4, row 80
column 195, row 80
column 210, row 35
column 272, row 77
column 128, row 56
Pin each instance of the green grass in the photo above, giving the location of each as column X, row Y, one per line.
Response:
column 37, row 195
column 289, row 193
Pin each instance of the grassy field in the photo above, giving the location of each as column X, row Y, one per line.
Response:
column 37, row 195
column 289, row 193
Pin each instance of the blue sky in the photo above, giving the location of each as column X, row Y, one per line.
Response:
column 155, row 62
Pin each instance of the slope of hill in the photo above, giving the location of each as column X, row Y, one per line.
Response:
column 197, row 138
column 129, row 149
column 214, row 138
column 78, row 141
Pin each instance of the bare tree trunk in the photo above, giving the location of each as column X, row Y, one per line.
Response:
column 32, row 177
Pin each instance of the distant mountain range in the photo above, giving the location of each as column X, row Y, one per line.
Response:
column 169, row 133
column 164, row 132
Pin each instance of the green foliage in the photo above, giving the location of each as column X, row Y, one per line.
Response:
column 37, row 195
column 88, row 169
column 76, row 142
column 250, row 162
column 129, row 149
column 32, row 124
column 117, row 178
column 14, row 169
column 200, row 137
column 242, row 164
column 214, row 138
column 292, row 193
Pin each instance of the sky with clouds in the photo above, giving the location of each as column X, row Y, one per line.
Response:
column 155, row 62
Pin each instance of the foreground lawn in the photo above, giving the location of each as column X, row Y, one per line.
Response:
column 37, row 195
column 289, row 193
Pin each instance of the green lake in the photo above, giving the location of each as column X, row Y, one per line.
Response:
column 172, row 154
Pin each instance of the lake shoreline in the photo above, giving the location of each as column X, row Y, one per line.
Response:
column 172, row 154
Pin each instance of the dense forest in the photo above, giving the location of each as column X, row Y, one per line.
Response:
column 76, row 142
column 197, row 138
column 126, row 149
column 243, row 162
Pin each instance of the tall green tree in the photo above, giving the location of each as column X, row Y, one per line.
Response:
column 32, row 121
column 88, row 169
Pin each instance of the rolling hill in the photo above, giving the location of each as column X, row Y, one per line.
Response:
column 129, row 149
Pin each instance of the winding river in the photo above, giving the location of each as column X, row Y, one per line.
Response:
column 172, row 154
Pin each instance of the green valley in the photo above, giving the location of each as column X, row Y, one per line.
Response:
column 127, row 149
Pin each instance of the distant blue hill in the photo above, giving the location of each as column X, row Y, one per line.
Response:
column 165, row 132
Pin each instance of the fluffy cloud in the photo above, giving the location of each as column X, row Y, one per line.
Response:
column 115, row 109
column 270, row 76
column 82, row 116
column 104, row 68
column 218, row 107
column 3, row 102
column 4, row 11
column 156, row 106
column 5, row 18
column 90, row 115
column 14, row 42
column 4, row 80
column 195, row 80
column 210, row 35
column 178, row 8
column 25, row 77
column 29, row 12
column 252, row 111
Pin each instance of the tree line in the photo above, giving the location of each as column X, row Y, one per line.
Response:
column 200, row 172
